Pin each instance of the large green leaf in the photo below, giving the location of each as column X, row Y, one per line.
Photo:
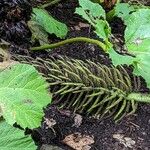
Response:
column 142, row 67
column 141, row 63
column 137, row 39
column 118, row 59
column 49, row 24
column 137, row 33
column 23, row 94
column 93, row 9
column 14, row 139
column 123, row 10
column 137, row 20
column 96, row 16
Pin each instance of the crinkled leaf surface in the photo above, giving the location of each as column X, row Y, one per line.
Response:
column 123, row 10
column 118, row 59
column 49, row 24
column 141, row 63
column 23, row 94
column 137, row 33
column 93, row 9
column 14, row 139
column 137, row 40
column 142, row 67
column 137, row 20
column 95, row 15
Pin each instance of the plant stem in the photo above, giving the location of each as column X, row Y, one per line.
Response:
column 68, row 41
column 110, row 15
column 50, row 3
column 139, row 97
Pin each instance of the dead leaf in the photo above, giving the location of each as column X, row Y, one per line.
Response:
column 50, row 122
column 126, row 141
column 4, row 54
column 77, row 28
column 65, row 112
column 6, row 64
column 38, row 33
column 77, row 120
column 109, row 3
column 78, row 141
column 83, row 25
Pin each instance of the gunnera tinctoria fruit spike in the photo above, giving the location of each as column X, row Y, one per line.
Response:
column 91, row 88
column 13, row 21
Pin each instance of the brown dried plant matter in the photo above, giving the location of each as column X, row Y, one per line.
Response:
column 109, row 3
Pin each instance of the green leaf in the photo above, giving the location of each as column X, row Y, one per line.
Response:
column 141, row 63
column 102, row 29
column 118, row 59
column 137, row 39
column 84, row 15
column 23, row 94
column 123, row 10
column 93, row 9
column 142, row 67
column 48, row 23
column 96, row 16
column 139, row 46
column 14, row 139
column 137, row 33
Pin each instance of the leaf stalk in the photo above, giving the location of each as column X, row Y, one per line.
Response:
column 50, row 3
column 139, row 97
column 71, row 40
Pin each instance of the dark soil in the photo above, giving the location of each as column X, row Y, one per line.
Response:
column 136, row 128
